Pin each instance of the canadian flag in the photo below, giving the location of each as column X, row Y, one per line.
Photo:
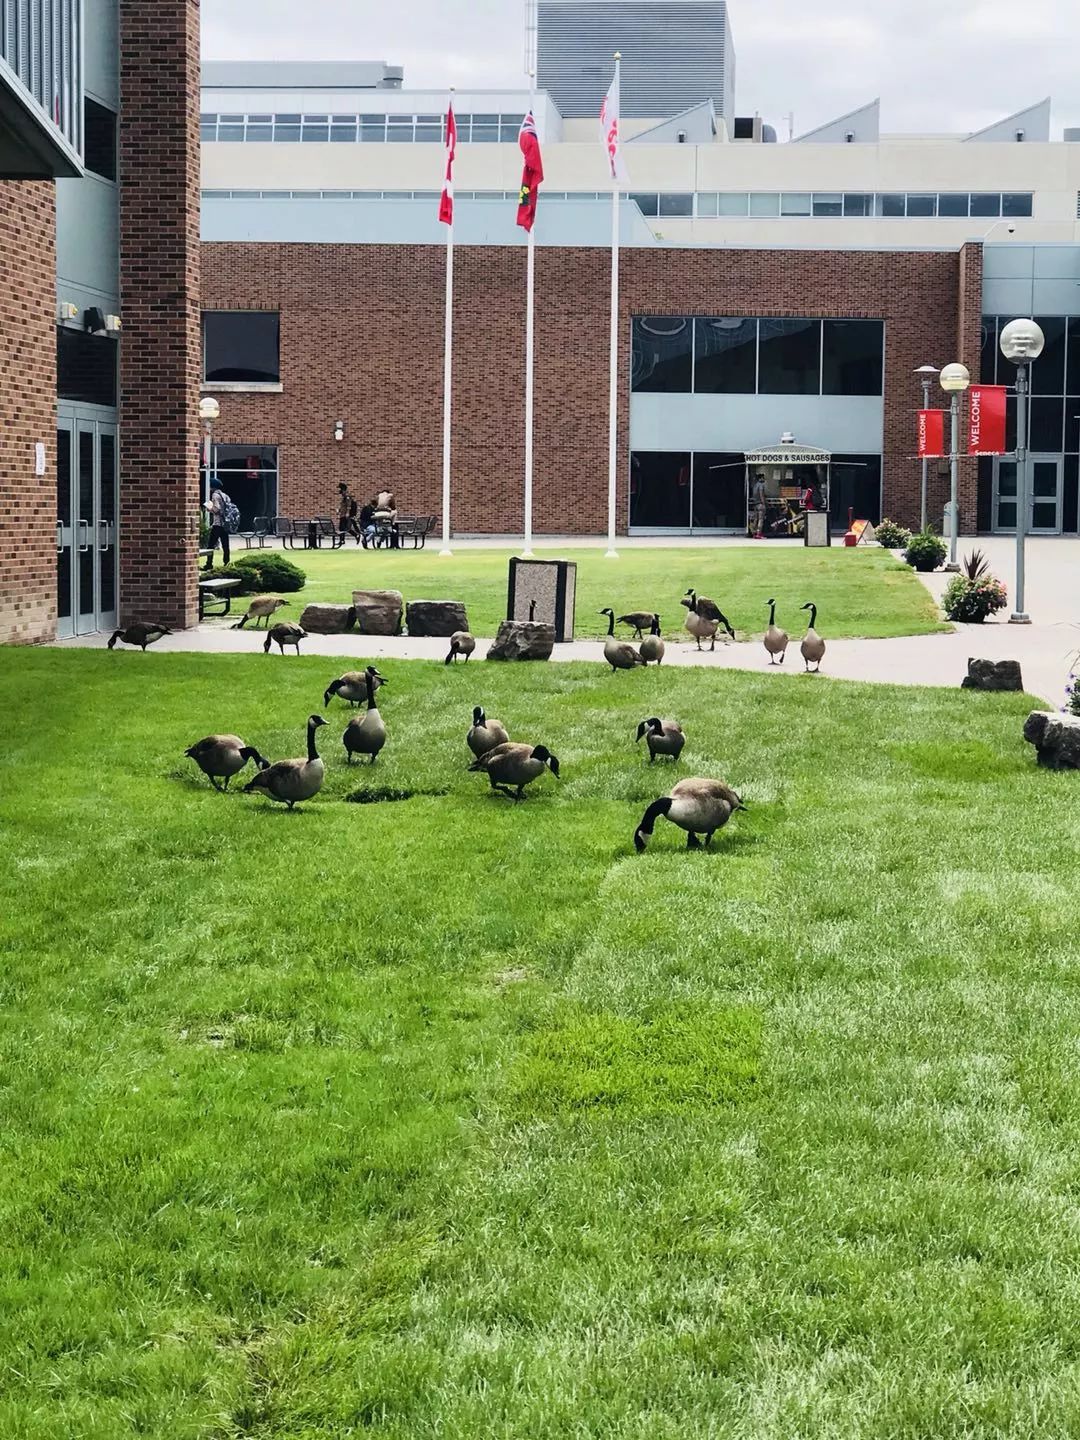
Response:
column 446, row 200
column 532, row 173
column 609, row 130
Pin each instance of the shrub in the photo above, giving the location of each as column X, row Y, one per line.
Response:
column 975, row 565
column 269, row 571
column 970, row 601
column 925, row 551
column 892, row 536
column 248, row 581
column 1072, row 696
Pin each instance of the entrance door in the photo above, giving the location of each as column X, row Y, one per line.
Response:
column 1044, row 502
column 86, row 528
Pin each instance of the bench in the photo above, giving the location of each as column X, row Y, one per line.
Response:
column 415, row 528
column 216, row 593
column 262, row 527
column 311, row 534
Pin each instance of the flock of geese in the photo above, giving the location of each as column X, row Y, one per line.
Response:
column 703, row 621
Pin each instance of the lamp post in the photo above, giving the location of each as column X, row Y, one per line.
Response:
column 954, row 380
column 926, row 374
column 1022, row 342
column 209, row 410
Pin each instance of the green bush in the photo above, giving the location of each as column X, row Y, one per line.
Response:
column 269, row 572
column 925, row 551
column 892, row 536
column 971, row 601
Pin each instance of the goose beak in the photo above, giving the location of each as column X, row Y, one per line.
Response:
column 640, row 842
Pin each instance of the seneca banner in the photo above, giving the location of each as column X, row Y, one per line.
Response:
column 986, row 420
column 931, row 434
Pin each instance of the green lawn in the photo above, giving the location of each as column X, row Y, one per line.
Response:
column 858, row 592
column 454, row 1118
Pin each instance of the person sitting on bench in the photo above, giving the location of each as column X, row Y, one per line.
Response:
column 386, row 515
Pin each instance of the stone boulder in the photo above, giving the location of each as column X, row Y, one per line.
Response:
column 993, row 675
column 378, row 612
column 523, row 640
column 1056, row 739
column 435, row 617
column 327, row 619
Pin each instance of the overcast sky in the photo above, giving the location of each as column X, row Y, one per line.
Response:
column 956, row 65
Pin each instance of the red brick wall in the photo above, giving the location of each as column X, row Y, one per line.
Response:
column 159, row 288
column 361, row 334
column 27, row 410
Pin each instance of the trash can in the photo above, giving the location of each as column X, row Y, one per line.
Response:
column 817, row 528
column 543, row 591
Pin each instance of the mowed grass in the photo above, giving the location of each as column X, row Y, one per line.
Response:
column 457, row 1118
column 858, row 592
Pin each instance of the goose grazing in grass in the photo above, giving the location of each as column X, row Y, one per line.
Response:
column 707, row 609
column 638, row 620
column 366, row 734
column 619, row 654
column 220, row 757
column 700, row 807
column 813, row 646
column 282, row 634
column 139, row 633
column 511, row 767
column 664, row 737
column 291, row 781
column 485, row 734
column 652, row 648
column 461, row 643
column 776, row 640
column 352, row 686
column 261, row 608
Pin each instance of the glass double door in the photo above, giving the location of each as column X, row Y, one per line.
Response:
column 87, row 502
column 1044, row 501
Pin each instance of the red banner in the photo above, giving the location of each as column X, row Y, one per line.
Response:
column 986, row 420
column 931, row 434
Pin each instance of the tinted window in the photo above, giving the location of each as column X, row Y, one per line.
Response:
column 852, row 357
column 726, row 356
column 1074, row 355
column 1047, row 419
column 893, row 204
column 240, row 345
column 1048, row 372
column 662, row 353
column 647, row 204
column 828, row 204
column 719, row 492
column 1016, row 205
column 659, row 489
column 99, row 139
column 763, row 203
column 989, row 355
column 85, row 367
column 921, row 204
column 733, row 204
column 676, row 204
column 856, row 485
column 986, row 205
column 858, row 204
column 953, row 205
column 789, row 357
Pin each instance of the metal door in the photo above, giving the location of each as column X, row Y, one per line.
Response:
column 65, row 530
column 87, row 496
column 1044, row 502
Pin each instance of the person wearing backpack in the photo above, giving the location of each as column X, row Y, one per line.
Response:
column 222, row 513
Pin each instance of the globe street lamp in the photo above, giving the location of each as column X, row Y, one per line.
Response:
column 926, row 374
column 209, row 411
column 1022, row 342
column 954, row 380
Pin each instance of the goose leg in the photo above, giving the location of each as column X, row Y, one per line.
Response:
column 692, row 842
column 712, row 647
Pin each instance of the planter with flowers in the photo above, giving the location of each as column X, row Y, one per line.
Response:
column 974, row 594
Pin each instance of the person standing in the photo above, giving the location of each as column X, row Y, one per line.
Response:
column 347, row 508
column 758, row 508
column 218, row 509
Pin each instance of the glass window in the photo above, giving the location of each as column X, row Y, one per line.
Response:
column 336, row 194
column 429, row 134
column 922, row 205
column 858, row 204
column 287, row 118
column 485, row 134
column 85, row 367
column 508, row 134
column 241, row 345
column 986, row 205
column 856, row 485
column 1018, row 206
column 764, row 204
column 708, row 204
column 1073, row 350
column 1047, row 426
column 736, row 203
column 660, row 489
column 232, row 119
column 795, row 203
column 827, row 204
column 259, row 134
column 953, row 205
column 719, row 499
column 286, row 134
column 260, row 119
column 373, row 128
column 647, row 204
column 208, row 132
column 315, row 134
column 989, row 351
column 398, row 133
column 207, row 119
column 726, row 351
column 249, row 474
column 343, row 134
column 676, row 204
column 662, row 354
column 892, row 205
column 852, row 357
column 1048, row 372
column 789, row 356
column 230, row 133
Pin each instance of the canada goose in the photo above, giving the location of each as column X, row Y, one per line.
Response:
column 485, row 734
column 638, row 620
column 776, row 640
column 700, row 807
column 261, row 608
column 813, row 646
column 618, row 654
column 511, row 765
column 366, row 734
column 665, row 737
column 140, row 634
column 282, row 634
column 293, row 780
column 352, row 686
column 461, row 643
column 222, row 757
column 708, row 608
column 652, row 647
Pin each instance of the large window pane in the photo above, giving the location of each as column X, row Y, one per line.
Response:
column 734, row 203
column 858, row 204
column 828, row 204
column 647, row 203
column 726, row 353
column 249, row 475
column 852, row 358
column 764, row 203
column 795, row 203
column 708, row 204
column 259, row 134
column 241, row 345
column 989, row 353
column 671, row 204
column 892, row 205
column 856, row 485
column 1048, row 372
column 953, row 206
column 719, row 492
column 1018, row 206
column 921, row 205
column 659, row 489
column 789, row 356
column 85, row 367
column 99, row 139
column 286, row 134
column 1047, row 419
column 986, row 205
column 662, row 353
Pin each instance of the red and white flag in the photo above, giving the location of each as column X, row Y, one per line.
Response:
column 533, row 173
column 446, row 199
column 609, row 130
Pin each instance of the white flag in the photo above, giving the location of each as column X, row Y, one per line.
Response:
column 609, row 130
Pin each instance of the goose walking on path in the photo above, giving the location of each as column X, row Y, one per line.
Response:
column 485, row 734
column 701, row 623
column 707, row 608
column 511, row 767
column 776, row 640
column 619, row 654
column 291, row 781
column 461, row 643
column 813, row 646
column 139, row 634
column 282, row 634
column 663, row 737
column 261, row 608
column 700, row 807
column 220, row 757
column 652, row 648
column 366, row 734
column 638, row 620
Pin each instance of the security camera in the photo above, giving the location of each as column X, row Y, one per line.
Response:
column 1012, row 230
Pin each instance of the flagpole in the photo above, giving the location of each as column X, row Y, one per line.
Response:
column 448, row 378
column 530, row 321
column 613, row 382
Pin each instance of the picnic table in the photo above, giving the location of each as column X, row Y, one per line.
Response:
column 216, row 594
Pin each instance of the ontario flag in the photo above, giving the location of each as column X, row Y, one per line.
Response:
column 532, row 175
column 446, row 199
